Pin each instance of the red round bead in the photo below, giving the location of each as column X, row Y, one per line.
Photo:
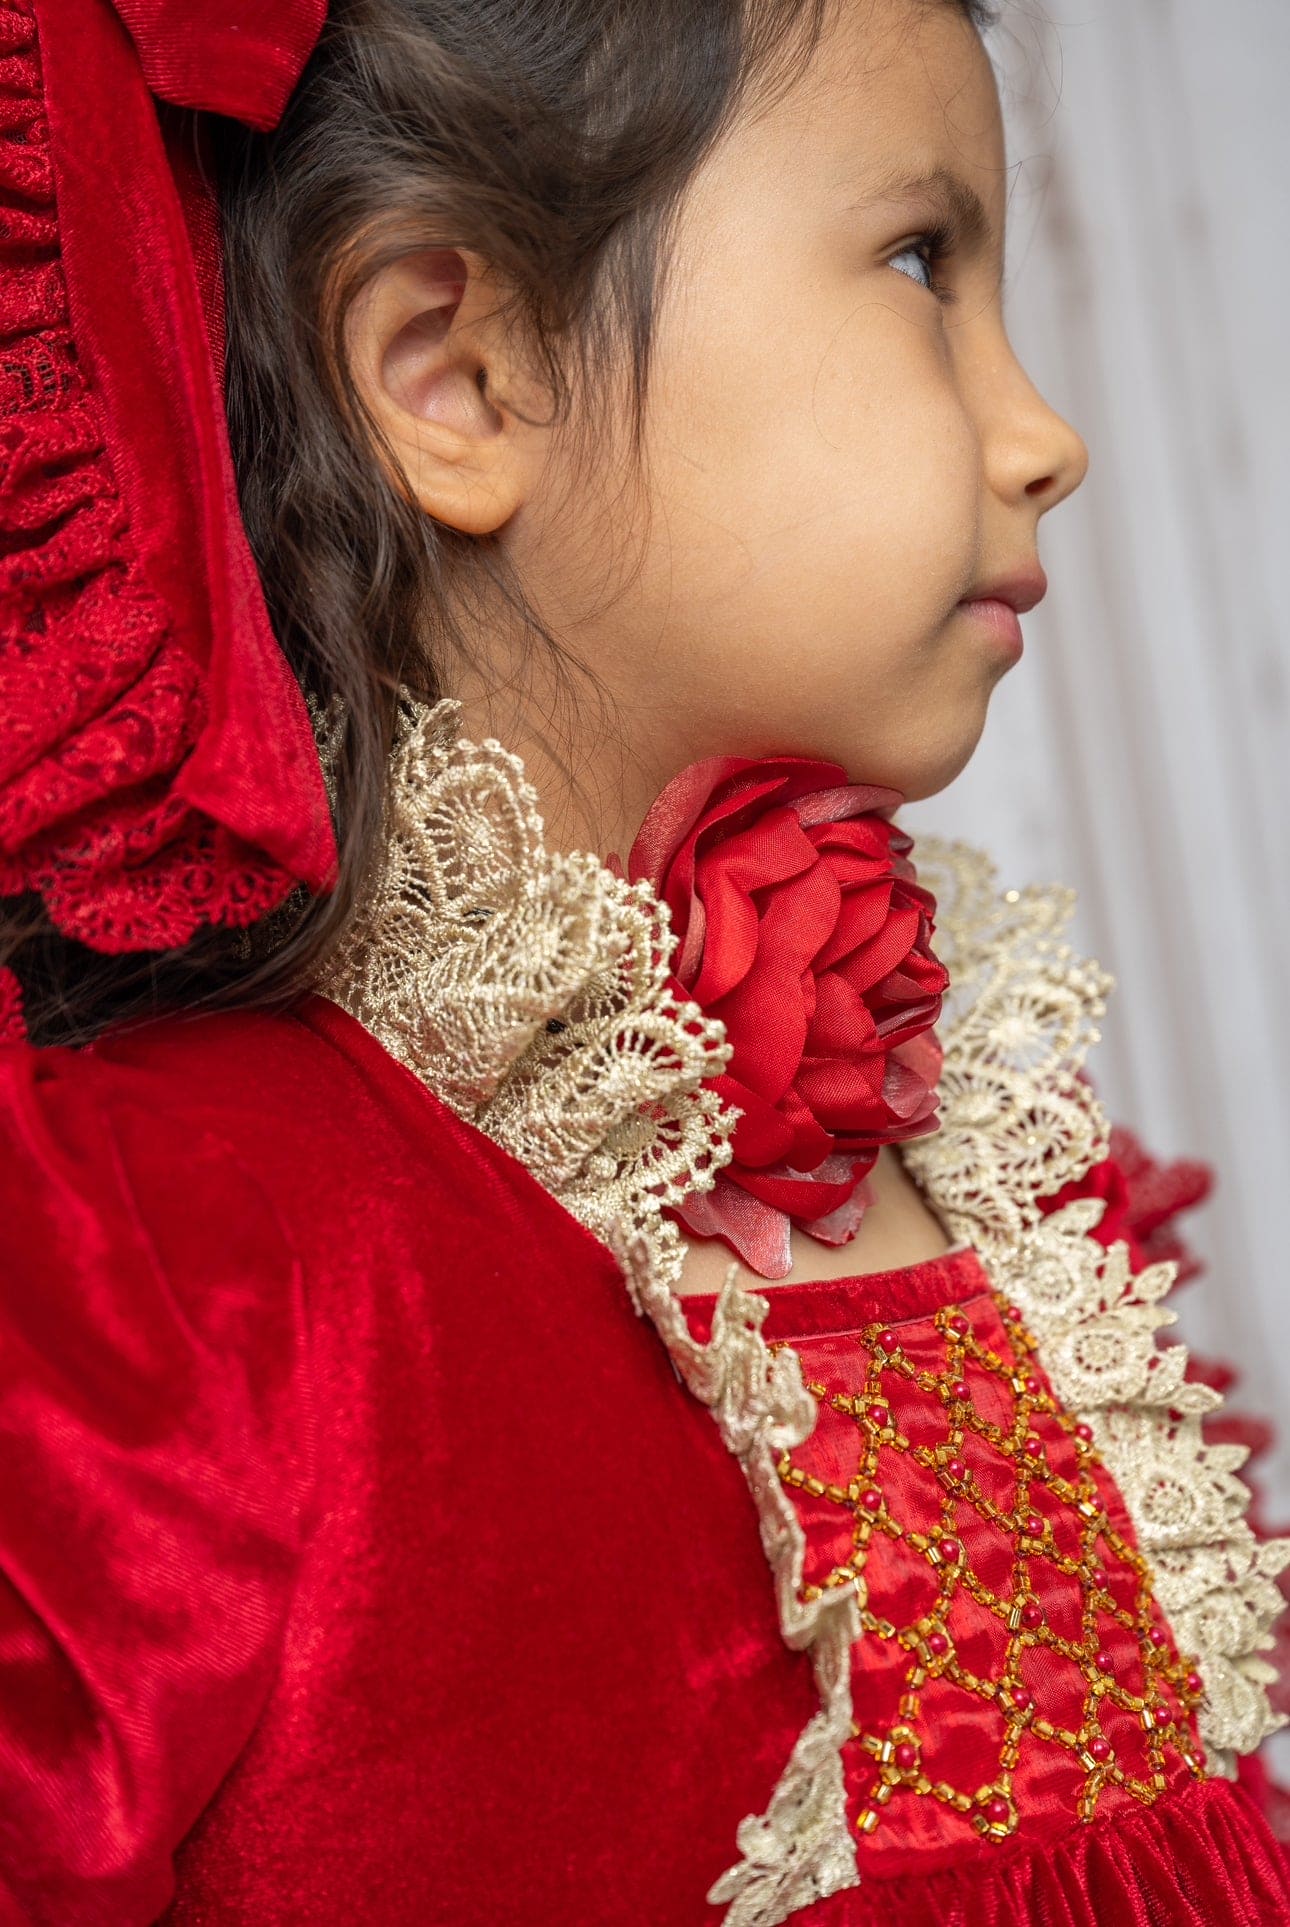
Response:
column 938, row 1644
column 1100, row 1747
column 1195, row 1684
column 1157, row 1636
column 1021, row 1699
column 878, row 1415
column 1102, row 1660
column 1032, row 1613
column 998, row 1812
column 959, row 1324
column 956, row 1468
column 1084, row 1432
column 1033, row 1446
column 1012, row 1314
column 1035, row 1526
column 887, row 1340
column 1161, row 1715
column 958, row 1388
column 1099, row 1576
column 1034, row 1387
column 871, row 1500
column 906, row 1756
column 950, row 1549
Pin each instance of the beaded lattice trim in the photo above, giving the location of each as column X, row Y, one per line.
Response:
column 529, row 991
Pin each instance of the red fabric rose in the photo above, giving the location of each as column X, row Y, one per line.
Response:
column 800, row 925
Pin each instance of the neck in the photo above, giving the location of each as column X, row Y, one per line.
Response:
column 572, row 735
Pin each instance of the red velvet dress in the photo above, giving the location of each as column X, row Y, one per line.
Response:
column 362, row 1557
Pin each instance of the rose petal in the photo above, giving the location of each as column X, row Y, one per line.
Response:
column 840, row 1226
column 829, row 807
column 771, row 854
column 760, row 1236
column 869, row 963
column 802, row 1195
column 843, row 1023
column 763, row 1135
column 846, row 1094
column 861, row 917
column 764, row 1015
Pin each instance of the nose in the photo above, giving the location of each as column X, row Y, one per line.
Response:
column 1032, row 454
column 1062, row 461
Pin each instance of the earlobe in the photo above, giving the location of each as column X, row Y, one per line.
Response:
column 426, row 348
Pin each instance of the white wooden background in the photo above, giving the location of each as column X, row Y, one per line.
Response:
column 1141, row 749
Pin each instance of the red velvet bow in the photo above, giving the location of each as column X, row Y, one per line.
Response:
column 157, row 766
column 236, row 57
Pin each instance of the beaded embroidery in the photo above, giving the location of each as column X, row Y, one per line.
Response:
column 971, row 1489
column 529, row 991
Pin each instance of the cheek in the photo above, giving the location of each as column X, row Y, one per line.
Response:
column 820, row 472
column 812, row 516
column 898, row 454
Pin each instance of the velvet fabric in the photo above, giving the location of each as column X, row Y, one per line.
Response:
column 362, row 1557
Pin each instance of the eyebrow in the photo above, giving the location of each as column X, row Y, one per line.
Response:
column 966, row 208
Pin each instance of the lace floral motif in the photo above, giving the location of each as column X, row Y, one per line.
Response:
column 1021, row 1014
column 529, row 990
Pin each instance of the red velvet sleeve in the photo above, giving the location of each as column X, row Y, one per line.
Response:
column 155, row 1469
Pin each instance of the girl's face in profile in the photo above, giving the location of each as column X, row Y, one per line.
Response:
column 843, row 459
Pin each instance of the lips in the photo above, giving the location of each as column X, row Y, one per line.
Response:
column 1020, row 589
column 998, row 616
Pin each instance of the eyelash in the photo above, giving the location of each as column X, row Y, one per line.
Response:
column 934, row 246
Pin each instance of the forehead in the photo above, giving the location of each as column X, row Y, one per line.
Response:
column 895, row 90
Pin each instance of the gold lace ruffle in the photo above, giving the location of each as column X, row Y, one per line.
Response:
column 529, row 991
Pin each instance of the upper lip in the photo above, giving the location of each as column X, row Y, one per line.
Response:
column 1021, row 589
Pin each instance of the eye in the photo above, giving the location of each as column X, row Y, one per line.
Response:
column 919, row 260
column 914, row 261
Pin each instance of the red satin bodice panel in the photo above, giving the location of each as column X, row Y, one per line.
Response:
column 1014, row 1675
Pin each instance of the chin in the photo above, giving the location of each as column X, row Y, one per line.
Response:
column 933, row 765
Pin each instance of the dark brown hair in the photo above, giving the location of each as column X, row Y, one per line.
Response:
column 552, row 137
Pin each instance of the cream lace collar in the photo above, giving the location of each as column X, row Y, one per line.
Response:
column 529, row 991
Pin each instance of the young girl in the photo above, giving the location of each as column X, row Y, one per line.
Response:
column 541, row 1387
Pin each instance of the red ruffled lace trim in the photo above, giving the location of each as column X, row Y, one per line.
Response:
column 99, row 703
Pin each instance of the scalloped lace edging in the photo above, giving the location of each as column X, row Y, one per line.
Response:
column 801, row 1849
column 530, row 991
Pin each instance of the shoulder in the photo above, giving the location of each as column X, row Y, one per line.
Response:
column 284, row 1130
column 114, row 1169
column 268, row 1086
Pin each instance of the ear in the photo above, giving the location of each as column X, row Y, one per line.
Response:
column 428, row 349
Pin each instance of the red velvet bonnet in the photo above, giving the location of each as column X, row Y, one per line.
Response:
column 158, row 771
